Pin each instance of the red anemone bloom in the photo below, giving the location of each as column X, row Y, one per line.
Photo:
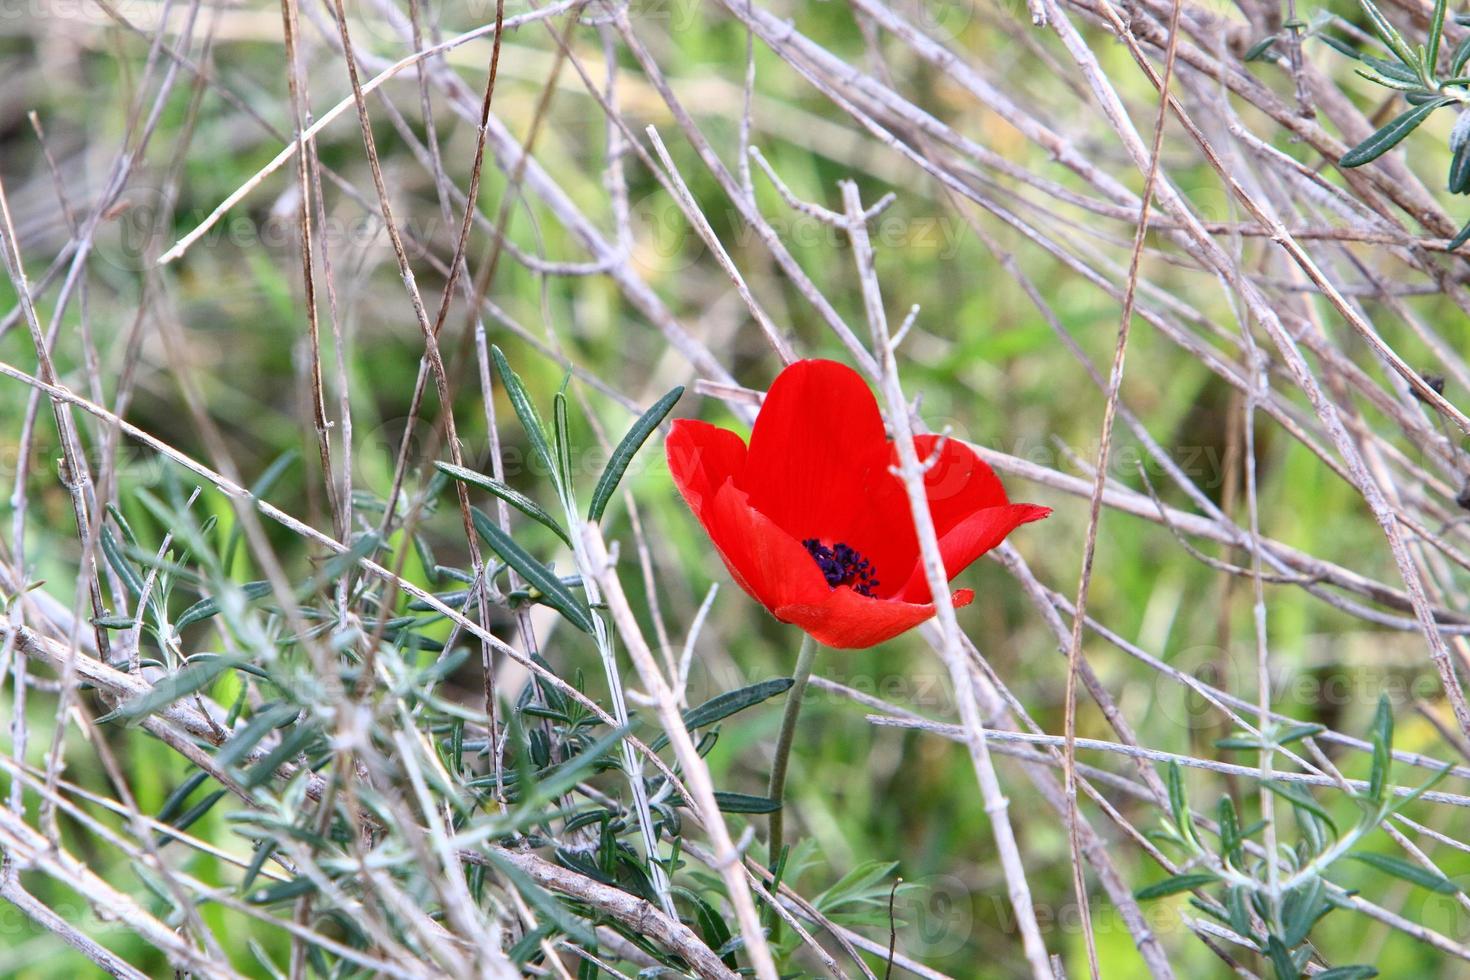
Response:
column 812, row 523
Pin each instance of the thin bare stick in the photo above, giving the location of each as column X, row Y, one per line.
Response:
column 727, row 858
column 911, row 472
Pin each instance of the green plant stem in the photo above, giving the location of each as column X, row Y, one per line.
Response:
column 783, row 746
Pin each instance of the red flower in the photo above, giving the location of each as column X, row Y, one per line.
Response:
column 812, row 523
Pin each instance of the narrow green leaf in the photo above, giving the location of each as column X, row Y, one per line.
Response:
column 565, row 776
column 534, row 595
column 530, row 943
column 210, row 606
column 1179, row 804
column 1387, row 82
column 338, row 565
column 174, row 805
column 1230, row 839
column 243, row 741
column 1382, row 737
column 865, row 881
column 1313, row 829
column 1298, row 732
column 1436, row 34
column 1400, row 802
column 1393, row 70
column 121, row 520
column 1357, row 972
column 281, row 892
column 515, row 498
column 550, row 908
column 1298, row 797
column 192, row 815
column 556, row 594
column 555, row 699
column 712, row 926
column 1461, row 57
column 264, row 961
column 1390, row 34
column 263, row 852
column 292, row 745
column 525, row 410
column 1174, row 885
column 1279, row 955
column 154, row 884
column 1257, row 50
column 454, row 600
column 195, row 676
column 1340, row 46
column 1239, row 743
column 1459, row 182
column 425, row 555
column 456, row 747
column 1216, row 912
column 722, row 706
column 1300, row 911
column 1240, row 919
column 113, row 552
column 540, row 748
column 637, row 435
column 1390, row 135
column 745, row 803
column 562, row 432
column 1399, row 868
column 1460, row 238
column 444, row 666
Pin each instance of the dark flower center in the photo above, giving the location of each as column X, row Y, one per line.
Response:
column 842, row 565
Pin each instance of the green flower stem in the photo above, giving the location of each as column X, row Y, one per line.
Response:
column 783, row 746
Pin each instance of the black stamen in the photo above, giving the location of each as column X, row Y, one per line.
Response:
column 842, row 565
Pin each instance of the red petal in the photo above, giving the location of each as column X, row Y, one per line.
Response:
column 769, row 564
column 816, row 439
column 701, row 458
column 971, row 538
column 958, row 484
column 845, row 620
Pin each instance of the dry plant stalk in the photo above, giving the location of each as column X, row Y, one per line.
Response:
column 391, row 824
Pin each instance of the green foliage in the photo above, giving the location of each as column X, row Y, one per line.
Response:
column 1276, row 908
column 627, row 449
column 1414, row 73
